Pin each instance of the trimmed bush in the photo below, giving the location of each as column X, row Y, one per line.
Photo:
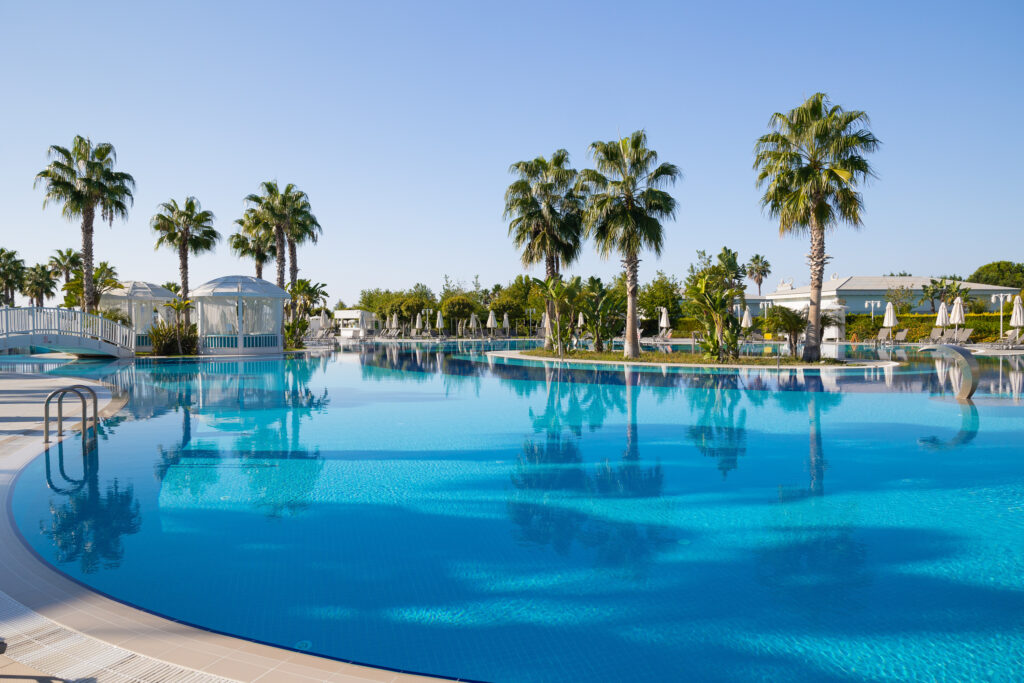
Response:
column 859, row 326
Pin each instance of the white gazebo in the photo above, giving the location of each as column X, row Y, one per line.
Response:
column 143, row 302
column 354, row 323
column 239, row 314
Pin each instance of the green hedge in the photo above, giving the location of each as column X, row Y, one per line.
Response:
column 860, row 327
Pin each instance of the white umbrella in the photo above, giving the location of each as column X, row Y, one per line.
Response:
column 942, row 319
column 543, row 321
column 504, row 322
column 580, row 322
column 890, row 316
column 664, row 323
column 440, row 321
column 419, row 321
column 887, row 373
column 324, row 320
column 1016, row 383
column 394, row 321
column 1017, row 317
column 474, row 322
column 956, row 377
column 746, row 323
column 956, row 316
column 941, row 370
column 492, row 321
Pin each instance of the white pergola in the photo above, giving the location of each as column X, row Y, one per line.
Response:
column 239, row 314
column 143, row 302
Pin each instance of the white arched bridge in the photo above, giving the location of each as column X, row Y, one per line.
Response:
column 65, row 329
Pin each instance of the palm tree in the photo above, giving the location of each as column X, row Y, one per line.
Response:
column 301, row 229
column 308, row 296
column 546, row 211
column 12, row 273
column 104, row 279
column 812, row 163
column 625, row 209
column 559, row 295
column 65, row 262
column 758, row 269
column 83, row 180
column 283, row 210
column 39, row 284
column 174, row 287
column 254, row 239
column 188, row 229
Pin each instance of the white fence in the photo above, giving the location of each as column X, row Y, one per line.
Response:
column 18, row 323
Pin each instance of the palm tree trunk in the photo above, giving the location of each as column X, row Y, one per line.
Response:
column 293, row 269
column 632, row 452
column 812, row 349
column 279, row 259
column 259, row 269
column 183, row 270
column 816, row 460
column 631, row 343
column 88, row 286
column 550, row 270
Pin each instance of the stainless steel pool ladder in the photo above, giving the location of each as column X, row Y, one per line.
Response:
column 59, row 394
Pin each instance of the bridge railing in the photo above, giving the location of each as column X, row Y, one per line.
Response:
column 16, row 322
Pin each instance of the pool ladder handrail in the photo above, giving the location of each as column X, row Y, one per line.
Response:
column 60, row 394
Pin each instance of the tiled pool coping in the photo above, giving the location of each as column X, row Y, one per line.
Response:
column 68, row 604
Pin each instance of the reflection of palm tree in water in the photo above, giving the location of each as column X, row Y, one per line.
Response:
column 720, row 431
column 87, row 527
column 549, row 475
column 810, row 395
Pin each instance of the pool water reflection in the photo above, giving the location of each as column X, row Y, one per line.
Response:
column 436, row 510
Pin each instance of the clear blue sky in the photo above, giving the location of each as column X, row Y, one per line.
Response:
column 400, row 121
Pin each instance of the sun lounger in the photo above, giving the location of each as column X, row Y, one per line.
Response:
column 900, row 337
column 964, row 335
column 936, row 336
column 883, row 335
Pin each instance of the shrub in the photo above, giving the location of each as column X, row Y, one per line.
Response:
column 919, row 326
column 165, row 339
column 295, row 331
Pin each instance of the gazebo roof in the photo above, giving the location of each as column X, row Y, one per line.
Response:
column 239, row 285
column 136, row 289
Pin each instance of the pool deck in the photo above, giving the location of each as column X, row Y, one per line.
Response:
column 54, row 629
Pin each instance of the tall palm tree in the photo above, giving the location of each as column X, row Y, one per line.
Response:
column 65, row 262
column 39, row 284
column 12, row 274
column 282, row 209
column 254, row 239
column 758, row 269
column 188, row 229
column 545, row 206
column 302, row 228
column 625, row 209
column 811, row 164
column 82, row 178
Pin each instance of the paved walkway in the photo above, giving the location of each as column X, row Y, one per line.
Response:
column 61, row 627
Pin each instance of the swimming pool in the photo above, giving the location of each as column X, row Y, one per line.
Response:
column 436, row 510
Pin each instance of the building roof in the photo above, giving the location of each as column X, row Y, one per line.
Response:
column 239, row 285
column 136, row 289
column 861, row 283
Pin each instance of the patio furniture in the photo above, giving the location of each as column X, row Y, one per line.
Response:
column 883, row 335
column 936, row 336
column 900, row 337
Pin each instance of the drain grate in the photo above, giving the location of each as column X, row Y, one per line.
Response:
column 35, row 641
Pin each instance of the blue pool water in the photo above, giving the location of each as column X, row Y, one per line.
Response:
column 438, row 511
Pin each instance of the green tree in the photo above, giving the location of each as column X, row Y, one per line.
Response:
column 303, row 228
column 712, row 299
column 902, row 299
column 65, row 261
column 505, row 303
column 782, row 320
column 254, row 239
column 811, row 165
column 1001, row 274
column 187, row 229
column 758, row 269
column 603, row 311
column 664, row 291
column 560, row 295
column 104, row 279
column 457, row 307
column 307, row 296
column 545, row 210
column 180, row 307
column 12, row 274
column 625, row 208
column 83, row 180
column 39, row 284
